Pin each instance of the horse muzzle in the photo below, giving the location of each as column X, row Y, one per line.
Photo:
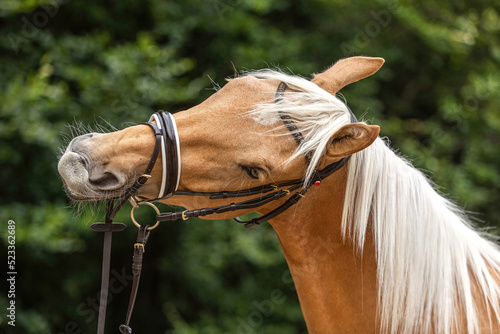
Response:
column 83, row 179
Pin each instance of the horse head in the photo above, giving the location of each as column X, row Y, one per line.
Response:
column 233, row 140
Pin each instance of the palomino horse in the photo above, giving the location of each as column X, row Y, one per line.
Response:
column 373, row 249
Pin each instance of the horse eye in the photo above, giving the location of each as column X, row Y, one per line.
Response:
column 252, row 172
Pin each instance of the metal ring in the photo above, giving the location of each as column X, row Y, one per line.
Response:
column 149, row 204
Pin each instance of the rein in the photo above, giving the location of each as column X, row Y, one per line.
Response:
column 167, row 141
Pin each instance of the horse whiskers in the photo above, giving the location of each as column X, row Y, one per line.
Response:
column 78, row 128
column 78, row 208
column 108, row 124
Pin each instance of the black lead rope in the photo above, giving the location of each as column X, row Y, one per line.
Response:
column 139, row 250
column 108, row 227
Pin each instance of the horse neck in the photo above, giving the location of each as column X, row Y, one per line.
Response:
column 336, row 285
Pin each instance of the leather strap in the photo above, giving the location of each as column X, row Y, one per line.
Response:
column 280, row 209
column 240, row 193
column 106, row 264
column 257, row 202
column 139, row 249
column 171, row 153
column 330, row 169
column 108, row 228
column 294, row 130
column 249, row 204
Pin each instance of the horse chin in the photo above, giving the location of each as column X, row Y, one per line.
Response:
column 74, row 196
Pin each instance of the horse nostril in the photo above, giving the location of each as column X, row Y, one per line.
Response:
column 83, row 161
column 105, row 180
column 79, row 144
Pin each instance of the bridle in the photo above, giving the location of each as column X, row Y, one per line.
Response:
column 167, row 142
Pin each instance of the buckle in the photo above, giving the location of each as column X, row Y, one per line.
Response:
column 141, row 246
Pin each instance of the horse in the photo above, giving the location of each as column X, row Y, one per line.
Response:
column 371, row 248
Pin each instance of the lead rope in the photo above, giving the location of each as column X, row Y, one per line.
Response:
column 142, row 239
column 108, row 227
column 139, row 249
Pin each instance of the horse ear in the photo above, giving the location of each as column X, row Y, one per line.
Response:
column 347, row 71
column 351, row 138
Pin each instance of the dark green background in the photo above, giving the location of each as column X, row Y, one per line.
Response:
column 90, row 62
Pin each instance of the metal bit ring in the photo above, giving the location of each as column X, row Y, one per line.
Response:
column 148, row 204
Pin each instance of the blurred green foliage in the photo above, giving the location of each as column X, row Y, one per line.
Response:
column 107, row 62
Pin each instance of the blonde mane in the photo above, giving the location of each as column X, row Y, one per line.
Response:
column 429, row 257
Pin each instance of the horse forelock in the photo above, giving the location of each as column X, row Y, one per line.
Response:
column 317, row 114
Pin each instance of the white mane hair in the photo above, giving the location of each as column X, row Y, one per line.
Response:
column 429, row 257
